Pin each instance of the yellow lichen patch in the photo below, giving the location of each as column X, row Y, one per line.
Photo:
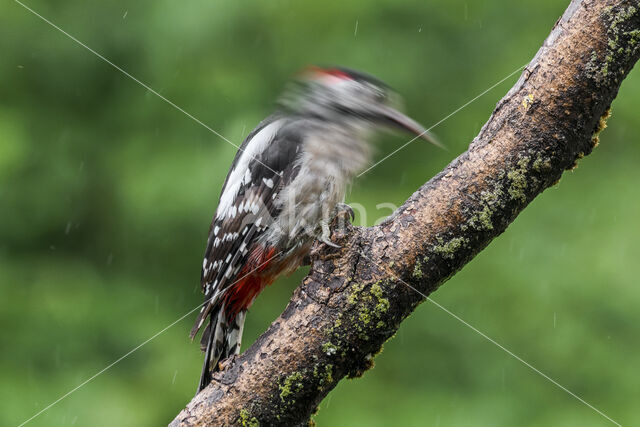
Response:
column 527, row 101
column 580, row 156
column 602, row 125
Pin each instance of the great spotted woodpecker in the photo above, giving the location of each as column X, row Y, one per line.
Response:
column 283, row 188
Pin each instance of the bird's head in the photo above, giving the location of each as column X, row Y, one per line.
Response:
column 343, row 96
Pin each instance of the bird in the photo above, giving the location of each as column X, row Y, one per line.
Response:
column 285, row 184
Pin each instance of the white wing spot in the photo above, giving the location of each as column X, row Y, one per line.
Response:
column 247, row 177
column 268, row 182
column 252, row 150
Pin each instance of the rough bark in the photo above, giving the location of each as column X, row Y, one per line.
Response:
column 354, row 298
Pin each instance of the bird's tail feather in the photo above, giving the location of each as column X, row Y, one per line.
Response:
column 221, row 339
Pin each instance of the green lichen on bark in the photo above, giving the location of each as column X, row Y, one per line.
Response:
column 336, row 324
column 382, row 303
column 320, row 376
column 417, row 270
column 365, row 318
column 449, row 249
column 371, row 305
column 540, row 164
column 246, row 420
column 291, row 384
column 353, row 296
column 482, row 219
column 324, row 377
column 518, row 180
column 329, row 348
column 623, row 41
column 490, row 202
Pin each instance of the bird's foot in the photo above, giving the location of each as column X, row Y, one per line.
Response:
column 225, row 363
column 340, row 225
column 326, row 236
column 343, row 209
column 330, row 243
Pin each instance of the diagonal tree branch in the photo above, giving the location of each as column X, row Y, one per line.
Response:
column 354, row 298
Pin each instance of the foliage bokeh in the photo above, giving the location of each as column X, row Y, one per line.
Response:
column 106, row 193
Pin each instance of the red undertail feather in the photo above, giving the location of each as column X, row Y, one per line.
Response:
column 258, row 273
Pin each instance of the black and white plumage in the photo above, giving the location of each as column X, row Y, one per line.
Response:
column 284, row 184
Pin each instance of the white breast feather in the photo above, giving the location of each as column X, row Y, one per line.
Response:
column 329, row 162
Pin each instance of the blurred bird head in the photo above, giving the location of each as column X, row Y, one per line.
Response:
column 341, row 96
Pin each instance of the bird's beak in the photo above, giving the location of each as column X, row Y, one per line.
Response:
column 399, row 120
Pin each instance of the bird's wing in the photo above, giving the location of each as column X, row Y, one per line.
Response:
column 263, row 165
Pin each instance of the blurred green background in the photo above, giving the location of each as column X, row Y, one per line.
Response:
column 106, row 194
